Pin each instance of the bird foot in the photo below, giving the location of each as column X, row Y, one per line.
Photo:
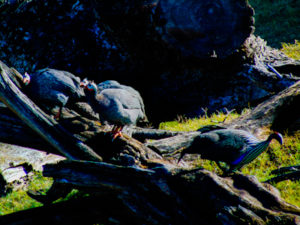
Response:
column 57, row 116
column 116, row 134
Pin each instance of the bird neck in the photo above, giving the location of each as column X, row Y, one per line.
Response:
column 92, row 91
column 277, row 136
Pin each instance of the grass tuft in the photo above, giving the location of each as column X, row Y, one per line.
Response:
column 292, row 50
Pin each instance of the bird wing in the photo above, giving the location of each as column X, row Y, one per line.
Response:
column 250, row 155
column 127, row 99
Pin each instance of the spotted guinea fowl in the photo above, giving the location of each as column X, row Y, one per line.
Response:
column 116, row 106
column 51, row 88
column 108, row 84
column 233, row 146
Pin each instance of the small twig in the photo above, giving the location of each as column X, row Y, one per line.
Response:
column 227, row 114
column 274, row 71
column 205, row 112
column 289, row 176
column 286, row 169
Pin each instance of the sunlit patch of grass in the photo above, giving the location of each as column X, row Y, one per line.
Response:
column 19, row 200
column 16, row 201
column 184, row 124
column 292, row 50
column 290, row 191
column 274, row 157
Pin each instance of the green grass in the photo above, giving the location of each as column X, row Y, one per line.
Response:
column 19, row 200
column 275, row 157
column 292, row 50
column 184, row 124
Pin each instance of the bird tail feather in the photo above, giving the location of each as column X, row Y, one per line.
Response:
column 249, row 156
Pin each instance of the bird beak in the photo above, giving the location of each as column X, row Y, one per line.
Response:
column 26, row 81
column 82, row 84
column 26, row 78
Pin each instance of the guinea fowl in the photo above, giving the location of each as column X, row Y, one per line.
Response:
column 109, row 84
column 234, row 147
column 51, row 88
column 116, row 106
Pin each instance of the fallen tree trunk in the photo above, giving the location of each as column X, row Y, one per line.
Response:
column 156, row 196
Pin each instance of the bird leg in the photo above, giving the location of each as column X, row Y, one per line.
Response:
column 116, row 132
column 58, row 114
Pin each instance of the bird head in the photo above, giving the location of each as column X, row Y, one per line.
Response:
column 26, row 78
column 91, row 86
column 84, row 83
column 277, row 136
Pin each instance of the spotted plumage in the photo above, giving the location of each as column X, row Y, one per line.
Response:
column 116, row 106
column 51, row 88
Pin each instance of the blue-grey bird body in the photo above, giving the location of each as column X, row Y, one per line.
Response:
column 113, row 84
column 233, row 146
column 116, row 106
column 51, row 88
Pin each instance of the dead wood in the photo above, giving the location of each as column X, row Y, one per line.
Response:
column 163, row 196
column 285, row 173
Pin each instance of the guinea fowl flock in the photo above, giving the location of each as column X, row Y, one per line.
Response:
column 121, row 105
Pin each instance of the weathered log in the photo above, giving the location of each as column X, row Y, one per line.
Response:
column 145, row 195
column 14, row 131
column 45, row 126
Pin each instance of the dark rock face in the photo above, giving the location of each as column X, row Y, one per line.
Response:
column 121, row 41
column 58, row 34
